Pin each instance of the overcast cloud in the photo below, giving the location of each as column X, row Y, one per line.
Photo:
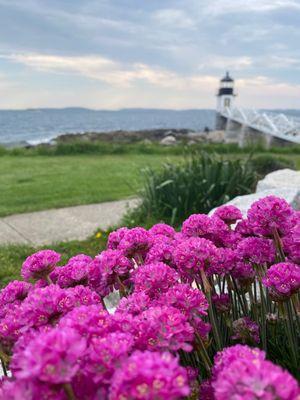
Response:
column 148, row 53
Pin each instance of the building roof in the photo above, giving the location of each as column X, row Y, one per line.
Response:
column 227, row 78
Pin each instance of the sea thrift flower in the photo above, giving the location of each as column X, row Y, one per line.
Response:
column 105, row 354
column 243, row 228
column 51, row 357
column 223, row 359
column 256, row 250
column 40, row 264
column 88, row 321
column 269, row 214
column 223, row 261
column 194, row 254
column 228, row 213
column 135, row 243
column 244, row 273
column 108, row 270
column 154, row 279
column 161, row 251
column 24, row 389
column 162, row 229
column 15, row 290
column 222, row 302
column 150, row 376
column 163, row 328
column 291, row 243
column 134, row 304
column 245, row 378
column 246, row 331
column 75, row 272
column 197, row 225
column 191, row 302
column 206, row 391
column 115, row 237
column 283, row 280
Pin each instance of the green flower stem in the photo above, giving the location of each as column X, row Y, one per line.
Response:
column 69, row 391
column 263, row 314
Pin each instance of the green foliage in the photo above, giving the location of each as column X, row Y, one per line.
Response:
column 266, row 163
column 198, row 184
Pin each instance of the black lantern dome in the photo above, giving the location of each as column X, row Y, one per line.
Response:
column 226, row 86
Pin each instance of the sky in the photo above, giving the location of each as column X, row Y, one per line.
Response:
column 111, row 54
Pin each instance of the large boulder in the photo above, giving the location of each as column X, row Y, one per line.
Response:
column 284, row 183
column 290, row 194
column 168, row 141
column 278, row 179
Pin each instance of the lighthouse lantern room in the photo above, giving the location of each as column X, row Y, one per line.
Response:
column 226, row 93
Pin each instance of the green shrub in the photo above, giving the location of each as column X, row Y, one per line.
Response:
column 200, row 183
column 265, row 163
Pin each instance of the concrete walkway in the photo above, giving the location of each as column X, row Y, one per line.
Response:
column 63, row 224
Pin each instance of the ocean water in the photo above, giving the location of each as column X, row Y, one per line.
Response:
column 42, row 125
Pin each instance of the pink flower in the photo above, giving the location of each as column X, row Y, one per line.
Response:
column 228, row 213
column 135, row 243
column 194, row 254
column 39, row 264
column 222, row 302
column 22, row 389
column 75, row 272
column 51, row 357
column 223, row 262
column 291, row 243
column 105, row 354
column 250, row 378
column 271, row 213
column 88, row 321
column 149, row 376
column 223, row 359
column 256, row 250
column 244, row 273
column 162, row 229
column 15, row 290
column 134, row 304
column 115, row 237
column 163, row 328
column 154, row 279
column 161, row 251
column 191, row 302
column 283, row 280
column 245, row 331
column 197, row 225
column 108, row 269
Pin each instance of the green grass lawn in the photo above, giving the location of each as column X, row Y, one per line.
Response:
column 43, row 182
column 32, row 183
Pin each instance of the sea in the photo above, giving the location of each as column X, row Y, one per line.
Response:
column 34, row 126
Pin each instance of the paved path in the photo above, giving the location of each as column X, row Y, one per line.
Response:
column 57, row 225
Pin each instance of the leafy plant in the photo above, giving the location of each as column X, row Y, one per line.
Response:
column 197, row 185
column 266, row 163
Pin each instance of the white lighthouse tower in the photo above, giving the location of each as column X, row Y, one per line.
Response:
column 225, row 98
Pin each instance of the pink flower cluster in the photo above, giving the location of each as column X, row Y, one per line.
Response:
column 242, row 373
column 60, row 340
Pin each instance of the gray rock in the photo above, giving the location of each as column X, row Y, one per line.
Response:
column 278, row 179
column 290, row 194
column 168, row 141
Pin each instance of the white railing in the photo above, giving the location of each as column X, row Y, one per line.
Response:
column 277, row 125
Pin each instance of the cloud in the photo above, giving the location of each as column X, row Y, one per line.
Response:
column 174, row 18
column 105, row 70
column 218, row 7
column 225, row 62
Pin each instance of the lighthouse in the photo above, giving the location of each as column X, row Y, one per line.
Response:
column 225, row 97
